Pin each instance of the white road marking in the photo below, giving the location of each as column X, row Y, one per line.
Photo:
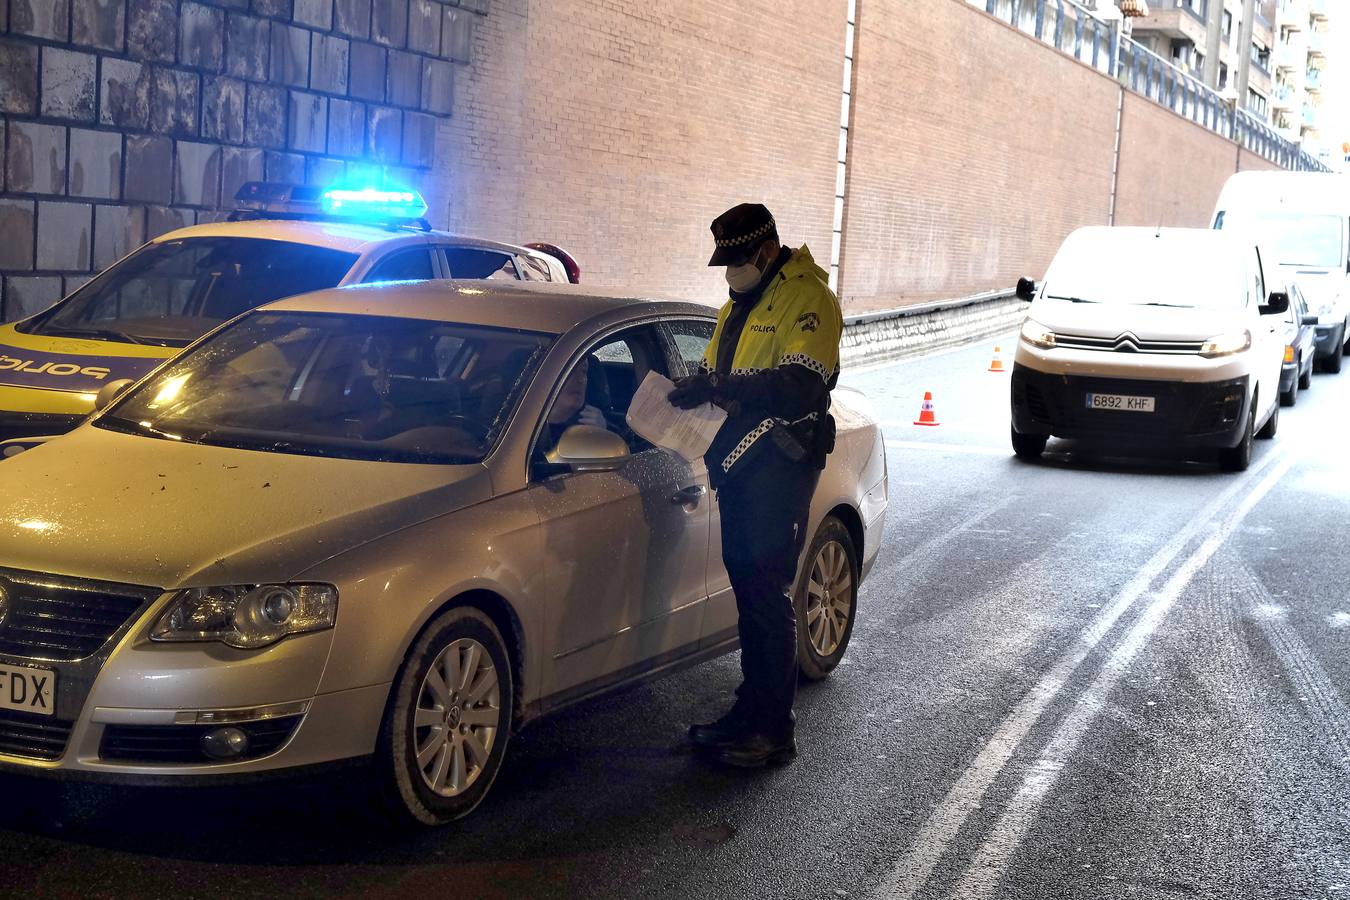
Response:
column 948, row 448
column 990, row 863
column 936, row 835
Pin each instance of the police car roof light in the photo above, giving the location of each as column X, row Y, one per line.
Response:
column 373, row 203
column 281, row 200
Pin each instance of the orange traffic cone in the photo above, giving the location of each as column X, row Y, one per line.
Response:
column 926, row 415
column 996, row 364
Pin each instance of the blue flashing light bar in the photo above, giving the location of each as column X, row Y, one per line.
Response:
column 373, row 203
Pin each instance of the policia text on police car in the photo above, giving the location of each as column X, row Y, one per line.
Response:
column 772, row 362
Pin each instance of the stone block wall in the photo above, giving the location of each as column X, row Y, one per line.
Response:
column 124, row 119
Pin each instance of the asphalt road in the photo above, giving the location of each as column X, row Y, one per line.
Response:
column 1087, row 677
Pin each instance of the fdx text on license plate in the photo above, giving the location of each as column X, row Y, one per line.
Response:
column 28, row 690
column 1122, row 402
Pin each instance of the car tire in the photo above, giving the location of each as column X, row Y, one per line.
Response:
column 438, row 753
column 1237, row 459
column 1290, row 397
column 1333, row 363
column 826, row 600
column 1028, row 446
column 1272, row 425
column 1305, row 378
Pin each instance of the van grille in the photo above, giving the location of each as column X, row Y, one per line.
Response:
column 1127, row 343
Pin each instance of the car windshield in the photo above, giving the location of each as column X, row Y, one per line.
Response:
column 1144, row 270
column 173, row 292
column 355, row 387
column 1298, row 239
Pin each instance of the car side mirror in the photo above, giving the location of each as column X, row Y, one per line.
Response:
column 1309, row 319
column 585, row 448
column 109, row 392
column 1276, row 303
column 1026, row 289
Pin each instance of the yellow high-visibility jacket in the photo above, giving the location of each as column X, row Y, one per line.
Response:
column 785, row 362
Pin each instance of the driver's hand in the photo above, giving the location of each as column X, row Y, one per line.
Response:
column 592, row 416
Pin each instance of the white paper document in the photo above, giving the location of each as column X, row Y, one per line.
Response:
column 688, row 432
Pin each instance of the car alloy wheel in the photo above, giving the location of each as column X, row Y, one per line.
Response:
column 448, row 720
column 826, row 600
column 457, row 718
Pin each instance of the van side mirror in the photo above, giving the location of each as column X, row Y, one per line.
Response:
column 1276, row 303
column 1026, row 289
column 1309, row 319
column 109, row 392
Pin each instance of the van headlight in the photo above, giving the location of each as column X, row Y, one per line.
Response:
column 1037, row 335
column 247, row 616
column 1226, row 344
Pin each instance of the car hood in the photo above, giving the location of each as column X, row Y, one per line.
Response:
column 1318, row 285
column 139, row 510
column 1150, row 323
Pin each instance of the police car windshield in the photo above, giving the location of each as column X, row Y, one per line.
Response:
column 355, row 387
column 171, row 293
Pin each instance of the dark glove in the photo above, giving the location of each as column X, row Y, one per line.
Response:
column 693, row 391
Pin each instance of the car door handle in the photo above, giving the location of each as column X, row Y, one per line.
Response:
column 689, row 496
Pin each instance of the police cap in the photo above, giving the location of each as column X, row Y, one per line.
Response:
column 740, row 230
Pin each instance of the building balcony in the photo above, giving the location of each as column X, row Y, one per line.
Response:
column 1317, row 44
column 1311, row 115
column 1259, row 79
column 1175, row 19
column 1320, row 10
column 1313, row 82
column 1283, row 98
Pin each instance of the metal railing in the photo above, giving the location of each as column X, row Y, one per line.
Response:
column 1074, row 30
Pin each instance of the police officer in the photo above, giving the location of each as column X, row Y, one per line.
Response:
column 771, row 364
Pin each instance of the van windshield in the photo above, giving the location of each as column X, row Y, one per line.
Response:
column 1147, row 271
column 172, row 292
column 1299, row 239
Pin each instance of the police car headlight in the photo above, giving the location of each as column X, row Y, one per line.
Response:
column 1226, row 344
column 247, row 616
column 1037, row 335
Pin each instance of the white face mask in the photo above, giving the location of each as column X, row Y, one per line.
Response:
column 745, row 276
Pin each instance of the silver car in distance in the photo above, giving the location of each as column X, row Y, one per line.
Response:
column 387, row 524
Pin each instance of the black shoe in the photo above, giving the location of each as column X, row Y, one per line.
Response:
column 724, row 731
column 754, row 751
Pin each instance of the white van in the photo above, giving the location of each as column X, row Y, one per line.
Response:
column 1304, row 218
column 1142, row 338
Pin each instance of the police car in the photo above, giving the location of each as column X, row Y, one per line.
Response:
column 281, row 240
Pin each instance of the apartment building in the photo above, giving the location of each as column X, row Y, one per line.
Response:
column 1300, row 66
column 1227, row 44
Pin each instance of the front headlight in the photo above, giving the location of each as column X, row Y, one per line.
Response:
column 1226, row 344
column 1037, row 335
column 247, row 616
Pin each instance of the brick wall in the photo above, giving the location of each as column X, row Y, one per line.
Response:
column 619, row 130
column 126, row 118
column 976, row 149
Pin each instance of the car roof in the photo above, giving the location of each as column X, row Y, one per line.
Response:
column 529, row 306
column 350, row 237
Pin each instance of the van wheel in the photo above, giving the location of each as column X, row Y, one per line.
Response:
column 826, row 601
column 1237, row 459
column 1272, row 425
column 448, row 720
column 1332, row 363
column 1028, row 446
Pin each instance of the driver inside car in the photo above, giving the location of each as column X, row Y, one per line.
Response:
column 571, row 407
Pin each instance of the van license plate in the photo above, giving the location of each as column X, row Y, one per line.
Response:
column 28, row 690
column 1122, row 402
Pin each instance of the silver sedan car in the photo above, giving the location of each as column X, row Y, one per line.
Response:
column 389, row 524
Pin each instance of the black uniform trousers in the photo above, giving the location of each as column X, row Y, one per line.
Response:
column 764, row 509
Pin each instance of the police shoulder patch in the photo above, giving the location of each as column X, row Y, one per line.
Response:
column 808, row 321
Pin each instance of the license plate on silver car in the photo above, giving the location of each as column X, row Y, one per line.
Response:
column 29, row 690
column 1122, row 402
